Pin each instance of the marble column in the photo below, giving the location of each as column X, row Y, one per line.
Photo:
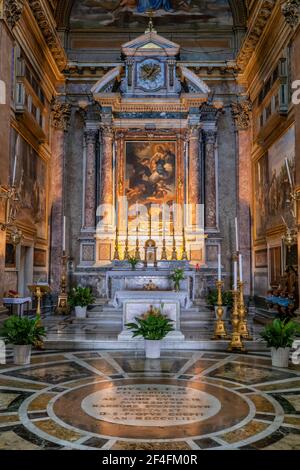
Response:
column 210, row 178
column 295, row 64
column 60, row 120
column 107, row 183
column 194, row 189
column 90, row 136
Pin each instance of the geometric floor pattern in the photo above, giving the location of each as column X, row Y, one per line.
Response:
column 118, row 400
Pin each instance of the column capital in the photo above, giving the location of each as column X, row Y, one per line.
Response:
column 107, row 132
column 241, row 113
column 60, row 114
column 13, row 10
column 210, row 135
column 194, row 131
column 90, row 136
column 291, row 12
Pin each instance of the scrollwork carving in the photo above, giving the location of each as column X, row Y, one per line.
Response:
column 13, row 11
column 241, row 113
column 60, row 115
column 291, row 12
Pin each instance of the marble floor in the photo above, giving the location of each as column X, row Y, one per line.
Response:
column 118, row 400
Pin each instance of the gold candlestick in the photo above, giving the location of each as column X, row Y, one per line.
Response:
column 62, row 303
column 164, row 256
column 137, row 253
column 236, row 343
column 220, row 329
column 126, row 251
column 116, row 253
column 174, row 251
column 38, row 290
column 184, row 256
column 243, row 324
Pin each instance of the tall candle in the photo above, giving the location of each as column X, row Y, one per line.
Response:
column 235, row 286
column 241, row 267
column 64, row 234
column 219, row 268
column 236, row 235
column 289, row 173
column 16, row 159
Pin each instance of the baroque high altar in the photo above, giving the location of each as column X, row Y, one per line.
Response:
column 158, row 152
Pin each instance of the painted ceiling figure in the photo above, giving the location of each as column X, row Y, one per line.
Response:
column 145, row 5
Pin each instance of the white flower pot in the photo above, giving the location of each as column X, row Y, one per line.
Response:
column 22, row 354
column 280, row 357
column 152, row 349
column 80, row 312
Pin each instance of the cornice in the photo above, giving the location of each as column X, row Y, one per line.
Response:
column 47, row 25
column 256, row 27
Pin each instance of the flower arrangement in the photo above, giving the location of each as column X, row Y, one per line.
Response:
column 152, row 325
column 177, row 276
column 81, row 297
column 133, row 261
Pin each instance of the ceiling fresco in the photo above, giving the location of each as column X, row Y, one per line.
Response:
column 103, row 15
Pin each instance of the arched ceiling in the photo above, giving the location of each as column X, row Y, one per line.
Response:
column 192, row 14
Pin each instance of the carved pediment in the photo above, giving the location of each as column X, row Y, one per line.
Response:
column 107, row 83
column 150, row 42
column 191, row 82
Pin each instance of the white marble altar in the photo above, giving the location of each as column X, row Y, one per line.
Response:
column 136, row 303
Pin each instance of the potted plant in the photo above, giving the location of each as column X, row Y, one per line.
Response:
column 177, row 276
column 79, row 299
column 212, row 300
column 133, row 262
column 279, row 336
column 153, row 326
column 22, row 333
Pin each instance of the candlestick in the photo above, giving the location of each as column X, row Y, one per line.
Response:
column 243, row 324
column 220, row 329
column 64, row 234
column 235, row 278
column 236, row 343
column 62, row 302
column 126, row 251
column 116, row 253
column 184, row 256
column 219, row 268
column 137, row 245
column 236, row 235
column 289, row 173
column 241, row 267
column 174, row 251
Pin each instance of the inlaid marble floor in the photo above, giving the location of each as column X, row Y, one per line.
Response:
column 118, row 400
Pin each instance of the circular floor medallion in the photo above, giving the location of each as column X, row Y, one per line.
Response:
column 151, row 405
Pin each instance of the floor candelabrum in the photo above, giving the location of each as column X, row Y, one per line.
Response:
column 243, row 323
column 62, row 303
column 236, row 343
column 220, row 329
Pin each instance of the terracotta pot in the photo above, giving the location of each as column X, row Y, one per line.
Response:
column 22, row 354
column 280, row 357
column 152, row 349
column 80, row 312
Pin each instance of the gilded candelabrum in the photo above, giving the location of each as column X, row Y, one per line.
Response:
column 137, row 253
column 243, row 324
column 236, row 343
column 220, row 329
column 116, row 252
column 126, row 251
column 184, row 256
column 164, row 256
column 174, row 250
column 62, row 303
column 39, row 290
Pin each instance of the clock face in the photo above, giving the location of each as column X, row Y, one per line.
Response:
column 150, row 74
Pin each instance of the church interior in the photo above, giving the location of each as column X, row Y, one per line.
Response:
column 149, row 225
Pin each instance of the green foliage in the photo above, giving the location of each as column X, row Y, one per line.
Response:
column 153, row 325
column 22, row 331
column 280, row 333
column 212, row 298
column 177, row 276
column 81, row 297
column 133, row 261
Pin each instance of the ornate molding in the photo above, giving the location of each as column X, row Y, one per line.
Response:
column 13, row 10
column 255, row 31
column 291, row 12
column 241, row 113
column 60, row 115
column 48, row 30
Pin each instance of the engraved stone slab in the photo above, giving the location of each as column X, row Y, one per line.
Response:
column 151, row 405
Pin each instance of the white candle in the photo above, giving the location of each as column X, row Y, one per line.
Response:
column 236, row 235
column 219, row 268
column 16, row 159
column 235, row 275
column 64, row 234
column 289, row 173
column 241, row 267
